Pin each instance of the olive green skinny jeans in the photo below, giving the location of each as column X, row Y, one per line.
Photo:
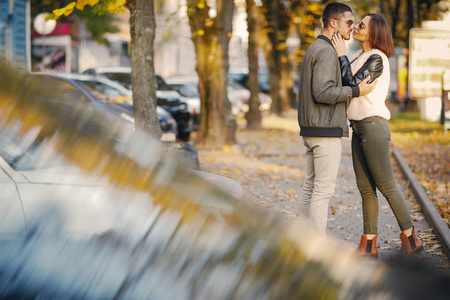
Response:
column 373, row 169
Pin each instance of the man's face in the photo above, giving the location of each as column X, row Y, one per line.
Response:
column 345, row 25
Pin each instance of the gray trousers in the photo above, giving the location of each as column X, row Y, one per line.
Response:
column 373, row 169
column 323, row 156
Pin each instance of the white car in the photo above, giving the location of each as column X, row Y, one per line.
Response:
column 35, row 180
column 36, row 183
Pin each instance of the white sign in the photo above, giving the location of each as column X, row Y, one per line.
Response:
column 446, row 80
column 429, row 56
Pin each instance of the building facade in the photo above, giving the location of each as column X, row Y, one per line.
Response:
column 15, row 33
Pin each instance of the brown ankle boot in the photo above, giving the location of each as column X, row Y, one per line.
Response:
column 367, row 247
column 410, row 244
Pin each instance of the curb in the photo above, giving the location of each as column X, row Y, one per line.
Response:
column 429, row 210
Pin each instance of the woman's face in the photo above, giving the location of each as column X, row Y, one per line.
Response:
column 361, row 32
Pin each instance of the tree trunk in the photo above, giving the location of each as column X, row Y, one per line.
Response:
column 142, row 30
column 307, row 18
column 382, row 8
column 402, row 15
column 395, row 19
column 278, row 21
column 411, row 17
column 254, row 115
column 211, row 41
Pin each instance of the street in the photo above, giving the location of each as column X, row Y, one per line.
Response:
column 269, row 164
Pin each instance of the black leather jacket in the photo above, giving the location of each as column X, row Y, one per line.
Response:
column 373, row 67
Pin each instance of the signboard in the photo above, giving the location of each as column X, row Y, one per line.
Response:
column 446, row 80
column 446, row 100
column 429, row 57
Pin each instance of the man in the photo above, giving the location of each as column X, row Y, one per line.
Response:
column 322, row 113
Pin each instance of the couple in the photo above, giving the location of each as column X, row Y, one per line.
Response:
column 331, row 89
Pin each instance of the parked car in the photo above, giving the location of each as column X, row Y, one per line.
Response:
column 294, row 100
column 122, row 75
column 170, row 103
column 34, row 180
column 239, row 97
column 39, row 184
column 241, row 76
column 188, row 88
column 104, row 93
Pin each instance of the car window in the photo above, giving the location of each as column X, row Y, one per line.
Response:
column 89, row 72
column 105, row 93
column 263, row 77
column 236, row 76
column 27, row 153
column 64, row 91
column 162, row 85
column 186, row 90
column 235, row 85
column 123, row 78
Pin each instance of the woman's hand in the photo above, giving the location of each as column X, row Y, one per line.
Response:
column 339, row 44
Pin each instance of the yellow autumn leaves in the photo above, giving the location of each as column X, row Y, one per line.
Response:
column 201, row 5
column 111, row 6
column 65, row 10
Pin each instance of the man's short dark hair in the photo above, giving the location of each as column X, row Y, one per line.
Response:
column 334, row 11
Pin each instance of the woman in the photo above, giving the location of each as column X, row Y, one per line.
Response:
column 371, row 133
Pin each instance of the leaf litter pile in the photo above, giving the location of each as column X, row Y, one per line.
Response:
column 266, row 164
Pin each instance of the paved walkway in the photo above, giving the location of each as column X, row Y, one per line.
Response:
column 270, row 164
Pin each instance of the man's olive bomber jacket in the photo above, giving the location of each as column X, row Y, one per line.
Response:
column 322, row 100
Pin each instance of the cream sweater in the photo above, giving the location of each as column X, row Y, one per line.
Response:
column 372, row 104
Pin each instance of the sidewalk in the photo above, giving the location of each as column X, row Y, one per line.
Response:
column 269, row 165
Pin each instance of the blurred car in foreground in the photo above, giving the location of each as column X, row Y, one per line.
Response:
column 38, row 183
column 165, row 92
column 34, row 180
column 107, row 97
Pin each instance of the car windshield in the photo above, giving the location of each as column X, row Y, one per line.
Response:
column 162, row 85
column 235, row 85
column 104, row 92
column 263, row 77
column 122, row 78
column 27, row 153
column 186, row 90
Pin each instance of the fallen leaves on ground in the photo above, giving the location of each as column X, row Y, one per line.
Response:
column 426, row 149
column 265, row 164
